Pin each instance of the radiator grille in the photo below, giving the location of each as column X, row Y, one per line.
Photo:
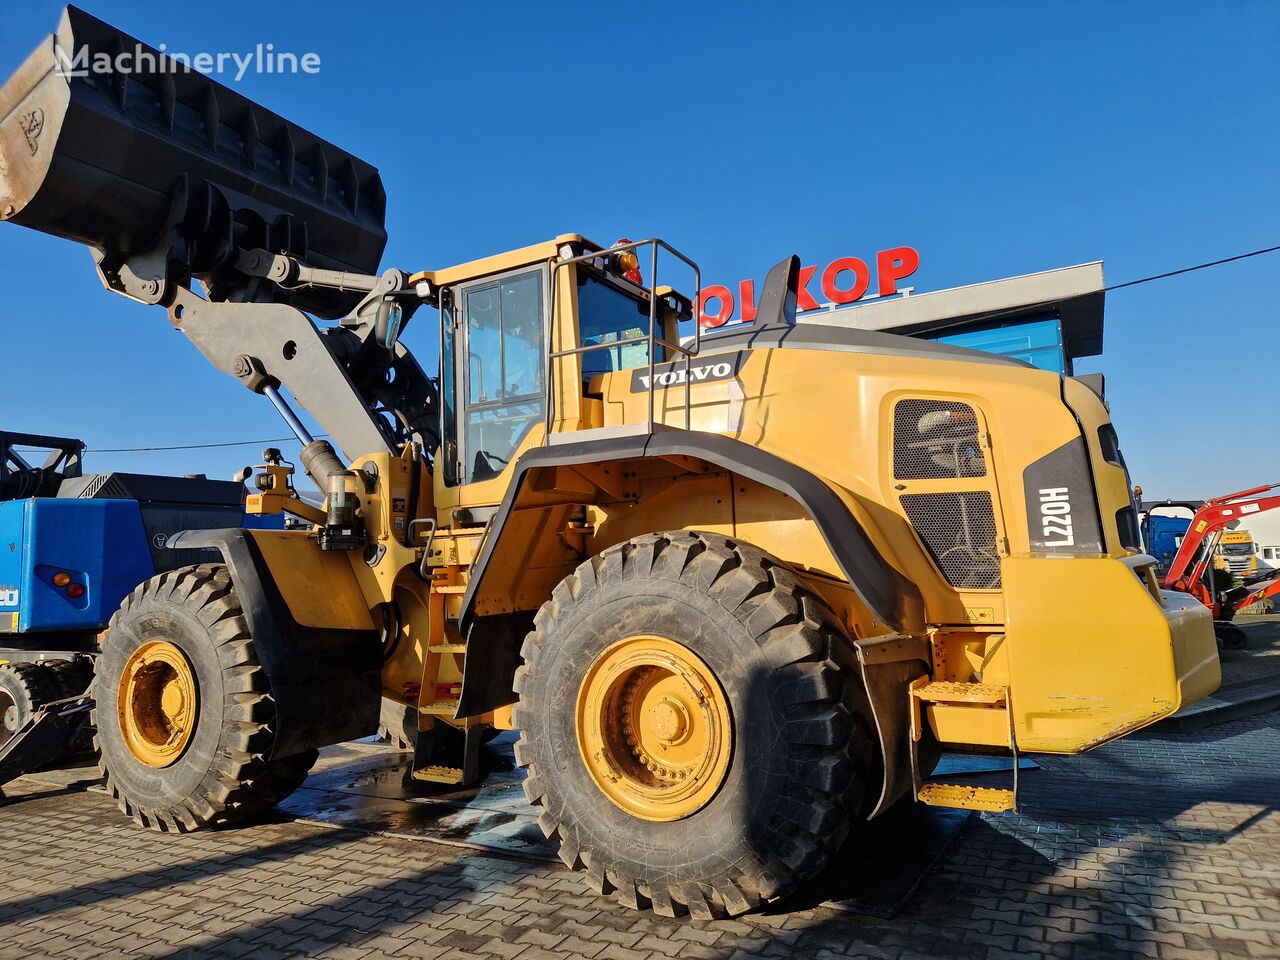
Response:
column 959, row 529
column 936, row 440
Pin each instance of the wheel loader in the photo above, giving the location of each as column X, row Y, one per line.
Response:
column 734, row 591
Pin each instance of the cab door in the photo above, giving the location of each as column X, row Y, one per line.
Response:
column 494, row 368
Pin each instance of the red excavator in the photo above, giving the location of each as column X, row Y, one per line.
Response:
column 1190, row 569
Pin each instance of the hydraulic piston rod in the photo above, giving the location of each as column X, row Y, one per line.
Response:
column 282, row 407
column 318, row 457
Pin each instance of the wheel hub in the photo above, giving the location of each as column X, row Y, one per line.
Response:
column 9, row 711
column 669, row 721
column 654, row 728
column 157, row 703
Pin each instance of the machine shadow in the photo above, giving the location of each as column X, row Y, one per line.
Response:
column 1086, row 880
column 159, row 878
column 875, row 871
column 958, row 886
column 350, row 919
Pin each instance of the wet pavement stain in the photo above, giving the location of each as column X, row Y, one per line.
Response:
column 369, row 787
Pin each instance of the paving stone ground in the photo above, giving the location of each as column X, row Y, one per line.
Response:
column 1159, row 846
column 1260, row 661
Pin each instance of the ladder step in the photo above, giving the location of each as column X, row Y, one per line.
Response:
column 961, row 797
column 436, row 774
column 941, row 691
column 449, row 588
column 447, row 648
column 441, row 708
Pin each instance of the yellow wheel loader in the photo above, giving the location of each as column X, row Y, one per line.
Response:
column 734, row 590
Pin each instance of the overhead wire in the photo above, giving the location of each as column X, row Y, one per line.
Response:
column 994, row 315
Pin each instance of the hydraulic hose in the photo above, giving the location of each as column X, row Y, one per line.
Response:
column 23, row 484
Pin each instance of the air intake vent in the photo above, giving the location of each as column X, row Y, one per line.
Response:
column 105, row 486
column 960, row 531
column 936, row 440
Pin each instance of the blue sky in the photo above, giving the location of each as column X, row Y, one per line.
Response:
column 997, row 138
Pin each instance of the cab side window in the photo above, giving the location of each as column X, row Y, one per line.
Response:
column 608, row 315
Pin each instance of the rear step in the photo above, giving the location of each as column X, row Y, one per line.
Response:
column 961, row 797
column 447, row 755
column 976, row 696
column 941, row 691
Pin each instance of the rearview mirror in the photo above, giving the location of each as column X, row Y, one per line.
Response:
column 387, row 327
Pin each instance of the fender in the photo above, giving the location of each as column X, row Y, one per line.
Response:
column 322, row 658
column 871, row 578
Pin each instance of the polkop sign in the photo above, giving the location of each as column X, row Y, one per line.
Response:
column 892, row 265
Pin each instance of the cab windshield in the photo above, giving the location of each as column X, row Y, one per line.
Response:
column 1237, row 549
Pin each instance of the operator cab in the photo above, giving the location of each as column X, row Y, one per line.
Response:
column 502, row 356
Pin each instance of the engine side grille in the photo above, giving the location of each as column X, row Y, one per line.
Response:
column 105, row 486
column 936, row 440
column 959, row 529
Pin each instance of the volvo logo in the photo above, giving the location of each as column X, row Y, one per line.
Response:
column 722, row 367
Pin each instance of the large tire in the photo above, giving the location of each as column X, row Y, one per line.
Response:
column 222, row 774
column 783, row 805
column 74, row 676
column 24, row 689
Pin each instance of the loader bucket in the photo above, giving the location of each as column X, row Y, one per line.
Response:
column 127, row 160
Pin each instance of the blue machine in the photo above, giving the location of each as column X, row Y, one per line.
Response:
column 74, row 545
column 67, row 564
column 1163, row 535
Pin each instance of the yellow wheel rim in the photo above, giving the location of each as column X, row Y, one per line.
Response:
column 654, row 728
column 157, row 703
